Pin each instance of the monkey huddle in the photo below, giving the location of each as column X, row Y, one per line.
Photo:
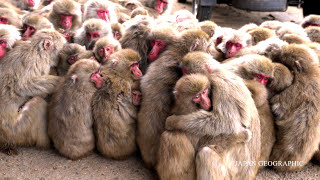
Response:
column 210, row 97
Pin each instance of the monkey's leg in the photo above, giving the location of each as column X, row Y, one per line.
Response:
column 175, row 157
column 209, row 165
column 31, row 124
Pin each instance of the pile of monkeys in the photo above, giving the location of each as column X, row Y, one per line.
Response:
column 195, row 99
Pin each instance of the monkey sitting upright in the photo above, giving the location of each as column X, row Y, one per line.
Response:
column 178, row 149
column 70, row 124
column 113, row 106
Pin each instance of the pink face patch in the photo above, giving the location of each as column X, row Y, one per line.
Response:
column 157, row 47
column 66, row 21
column 31, row 3
column 103, row 14
column 3, row 45
column 232, row 48
column 136, row 71
column 92, row 35
column 3, row 20
column 160, row 5
column 262, row 78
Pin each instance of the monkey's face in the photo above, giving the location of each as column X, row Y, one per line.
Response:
column 28, row 31
column 66, row 20
column 92, row 35
column 3, row 45
column 135, row 71
column 232, row 48
column 104, row 14
column 97, row 79
column 161, row 5
column 136, row 97
column 203, row 99
column 31, row 3
column 262, row 78
column 72, row 59
column 105, row 52
column 3, row 20
column 157, row 47
column 117, row 35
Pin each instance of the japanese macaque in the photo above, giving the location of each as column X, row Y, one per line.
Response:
column 65, row 14
column 70, row 54
column 104, row 47
column 9, row 16
column 117, row 30
column 8, row 36
column 131, row 4
column 91, row 31
column 23, row 84
column 291, row 28
column 46, row 2
column 100, row 9
column 273, row 25
column 177, row 151
column 313, row 33
column 157, row 7
column 295, row 39
column 311, row 20
column 156, row 88
column 248, row 27
column 139, row 11
column 33, row 23
column 26, row 4
column 259, row 34
column 113, row 106
column 238, row 113
column 297, row 118
column 229, row 41
column 209, row 27
column 70, row 124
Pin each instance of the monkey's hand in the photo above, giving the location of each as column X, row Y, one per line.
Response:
column 171, row 122
column 125, row 104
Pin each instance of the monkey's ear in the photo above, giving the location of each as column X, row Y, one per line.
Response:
column 74, row 78
column 298, row 65
column 209, row 67
column 194, row 46
column 175, row 93
column 46, row 44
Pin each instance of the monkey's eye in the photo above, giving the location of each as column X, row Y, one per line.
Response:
column 88, row 34
column 152, row 42
column 95, row 35
column 196, row 98
column 205, row 91
column 266, row 78
column 135, row 65
column 67, row 34
column 1, row 42
column 259, row 76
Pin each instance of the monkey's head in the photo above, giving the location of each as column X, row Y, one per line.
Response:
column 248, row 27
column 159, row 5
column 29, row 4
column 126, row 63
column 295, row 39
column 49, row 41
column 95, row 29
column 283, row 78
column 299, row 58
column 311, row 20
column 132, row 4
column 273, row 25
column 32, row 23
column 208, row 27
column 139, row 11
column 104, row 47
column 230, row 41
column 313, row 33
column 9, row 16
column 193, row 90
column 103, row 10
column 66, row 14
column 159, row 39
column 259, row 34
column 71, row 53
column 198, row 62
column 8, row 36
column 117, row 30
column 192, row 40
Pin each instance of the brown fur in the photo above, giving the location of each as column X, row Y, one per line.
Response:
column 139, row 11
column 24, row 5
column 24, row 81
column 260, row 34
column 177, row 150
column 117, row 27
column 156, row 87
column 65, row 7
column 70, row 125
column 296, row 109
column 209, row 27
column 315, row 47
column 295, row 39
column 150, row 5
column 114, row 118
column 233, row 110
column 10, row 34
column 12, row 16
column 71, row 50
column 92, row 6
column 312, row 18
column 313, row 33
column 273, row 25
column 36, row 21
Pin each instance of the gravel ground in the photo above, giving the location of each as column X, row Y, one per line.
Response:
column 32, row 163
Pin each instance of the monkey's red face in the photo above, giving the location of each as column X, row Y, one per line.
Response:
column 104, row 14
column 262, row 78
column 185, row 70
column 28, row 31
column 310, row 24
column 3, row 20
column 96, row 78
column 3, row 45
column 68, row 36
column 137, row 74
column 92, row 35
column 31, row 3
column 66, row 21
column 181, row 18
column 161, row 4
column 72, row 59
column 116, row 35
column 219, row 40
column 105, row 52
column 136, row 98
column 232, row 48
column 157, row 47
column 203, row 99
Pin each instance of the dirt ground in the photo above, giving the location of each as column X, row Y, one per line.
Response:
column 32, row 163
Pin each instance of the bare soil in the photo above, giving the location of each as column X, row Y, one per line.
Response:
column 33, row 163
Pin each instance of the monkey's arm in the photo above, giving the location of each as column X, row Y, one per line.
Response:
column 126, row 104
column 199, row 123
column 38, row 86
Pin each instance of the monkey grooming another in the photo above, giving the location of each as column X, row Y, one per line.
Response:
column 23, row 84
column 113, row 106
